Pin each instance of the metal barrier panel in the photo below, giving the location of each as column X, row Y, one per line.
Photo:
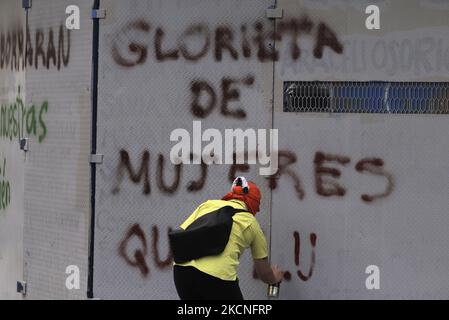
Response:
column 57, row 177
column 360, row 193
column 364, row 194
column 12, row 160
column 163, row 65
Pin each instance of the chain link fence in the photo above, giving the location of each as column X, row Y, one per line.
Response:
column 366, row 97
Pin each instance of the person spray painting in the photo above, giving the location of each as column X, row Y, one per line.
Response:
column 214, row 276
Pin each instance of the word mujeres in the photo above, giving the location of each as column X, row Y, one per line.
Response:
column 327, row 169
column 19, row 49
column 18, row 120
column 225, row 40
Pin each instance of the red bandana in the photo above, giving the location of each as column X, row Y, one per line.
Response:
column 251, row 199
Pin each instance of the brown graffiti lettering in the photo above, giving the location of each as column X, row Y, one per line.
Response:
column 198, row 184
column 6, row 49
column 143, row 172
column 326, row 183
column 64, row 57
column 21, row 56
column 139, row 254
column 196, row 29
column 295, row 27
column 51, row 51
column 229, row 90
column 223, row 41
column 256, row 41
column 261, row 38
column 160, row 179
column 246, row 47
column 16, row 53
column 171, row 54
column 137, row 49
column 161, row 264
column 296, row 256
column 14, row 62
column 231, row 93
column 286, row 159
column 39, row 49
column 374, row 166
column 326, row 37
column 198, row 88
column 298, row 252
column 28, row 50
column 327, row 187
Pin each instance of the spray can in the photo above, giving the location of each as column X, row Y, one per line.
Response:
column 273, row 290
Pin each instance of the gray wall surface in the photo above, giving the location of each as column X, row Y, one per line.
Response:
column 154, row 58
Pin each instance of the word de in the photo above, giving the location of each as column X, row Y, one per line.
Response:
column 205, row 96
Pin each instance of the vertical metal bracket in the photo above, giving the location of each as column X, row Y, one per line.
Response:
column 22, row 287
column 274, row 13
column 96, row 158
column 98, row 13
column 26, row 4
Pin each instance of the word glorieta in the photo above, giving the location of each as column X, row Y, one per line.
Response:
column 198, row 40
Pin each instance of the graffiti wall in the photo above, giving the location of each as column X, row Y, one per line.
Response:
column 351, row 190
column 57, row 178
column 366, row 189
column 12, row 126
column 157, row 75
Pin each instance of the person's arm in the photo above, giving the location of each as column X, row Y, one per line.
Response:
column 267, row 273
column 259, row 249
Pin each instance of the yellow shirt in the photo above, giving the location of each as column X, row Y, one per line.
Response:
column 245, row 233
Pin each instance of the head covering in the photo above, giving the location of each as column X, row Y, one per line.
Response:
column 247, row 192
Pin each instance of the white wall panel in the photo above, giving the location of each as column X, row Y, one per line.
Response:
column 57, row 176
column 12, row 91
column 140, row 104
column 402, row 232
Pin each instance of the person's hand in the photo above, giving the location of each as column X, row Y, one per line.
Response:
column 278, row 273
